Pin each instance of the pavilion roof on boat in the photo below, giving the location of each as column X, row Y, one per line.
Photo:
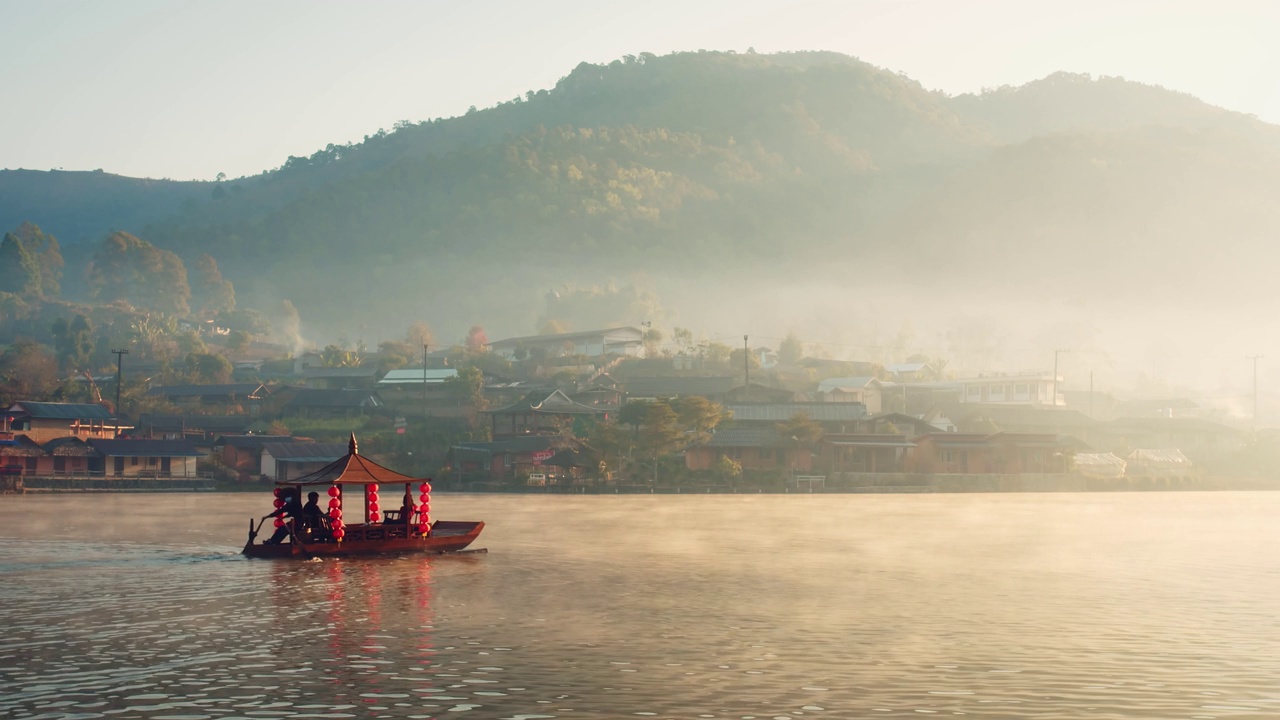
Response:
column 351, row 469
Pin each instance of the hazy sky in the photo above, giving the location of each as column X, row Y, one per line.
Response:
column 189, row 89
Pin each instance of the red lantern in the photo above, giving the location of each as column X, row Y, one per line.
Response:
column 335, row 503
column 374, row 507
column 279, row 522
column 339, row 533
column 372, row 487
column 424, row 518
column 424, row 488
column 424, row 528
column 372, row 497
column 334, row 491
column 278, row 503
column 335, row 514
column 374, row 516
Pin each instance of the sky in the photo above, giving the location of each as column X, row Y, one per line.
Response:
column 187, row 90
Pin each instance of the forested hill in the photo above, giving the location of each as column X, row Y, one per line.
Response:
column 696, row 160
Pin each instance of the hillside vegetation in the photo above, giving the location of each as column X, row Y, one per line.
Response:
column 748, row 164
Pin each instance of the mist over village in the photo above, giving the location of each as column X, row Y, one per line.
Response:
column 743, row 243
column 693, row 360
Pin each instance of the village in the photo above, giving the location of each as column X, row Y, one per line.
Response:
column 605, row 411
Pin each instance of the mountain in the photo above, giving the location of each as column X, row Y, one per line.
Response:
column 754, row 168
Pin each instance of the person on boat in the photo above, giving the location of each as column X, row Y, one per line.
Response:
column 292, row 508
column 406, row 511
column 313, row 516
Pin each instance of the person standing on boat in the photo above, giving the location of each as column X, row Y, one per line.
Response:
column 312, row 515
column 291, row 508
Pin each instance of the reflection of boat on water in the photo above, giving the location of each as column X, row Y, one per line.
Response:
column 352, row 483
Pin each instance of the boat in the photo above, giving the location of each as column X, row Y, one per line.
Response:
column 352, row 485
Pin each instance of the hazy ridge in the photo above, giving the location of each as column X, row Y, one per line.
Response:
column 758, row 167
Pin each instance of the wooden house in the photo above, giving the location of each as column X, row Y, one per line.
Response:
column 543, row 413
column 863, row 452
column 502, row 460
column 994, row 453
column 284, row 461
column 44, row 421
column 131, row 457
column 752, row 448
column 243, row 453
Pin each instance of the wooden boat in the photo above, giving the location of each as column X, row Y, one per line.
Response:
column 352, row 483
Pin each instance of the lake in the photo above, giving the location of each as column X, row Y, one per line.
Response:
column 1126, row 605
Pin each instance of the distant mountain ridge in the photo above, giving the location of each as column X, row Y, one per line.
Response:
column 664, row 164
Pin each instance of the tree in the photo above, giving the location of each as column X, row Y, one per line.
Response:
column 47, row 254
column 210, row 292
column 790, row 350
column 73, row 343
column 419, row 335
column 698, row 416
column 238, row 341
column 334, row 356
column 652, row 338
column 208, row 368
column 802, row 428
column 660, row 433
column 728, row 469
column 27, row 372
column 19, row 269
column 477, row 341
column 128, row 268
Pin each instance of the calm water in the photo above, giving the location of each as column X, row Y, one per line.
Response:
column 770, row 607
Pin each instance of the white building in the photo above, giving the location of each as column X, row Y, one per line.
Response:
column 592, row 343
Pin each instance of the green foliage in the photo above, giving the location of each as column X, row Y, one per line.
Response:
column 211, row 294
column 73, row 343
column 208, row 368
column 790, row 350
column 27, row 371
column 128, row 268
column 19, row 269
column 800, row 426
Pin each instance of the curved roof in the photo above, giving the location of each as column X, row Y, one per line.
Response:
column 351, row 469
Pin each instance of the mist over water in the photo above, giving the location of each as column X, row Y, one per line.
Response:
column 994, row 606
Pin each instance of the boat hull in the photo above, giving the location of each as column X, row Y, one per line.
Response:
column 446, row 537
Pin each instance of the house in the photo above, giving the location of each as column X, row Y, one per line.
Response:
column 1196, row 437
column 667, row 387
column 1035, row 389
column 203, row 430
column 592, row 343
column 912, row 372
column 413, row 379
column 20, row 451
column 543, row 413
column 860, row 389
column 1027, row 418
column 1099, row 465
column 283, row 461
column 833, row 417
column 898, row 423
column 756, row 392
column 43, row 421
column 502, row 460
column 145, row 458
column 599, row 395
column 753, row 448
column 361, row 377
column 232, row 398
column 308, row 402
column 243, row 453
column 994, row 453
column 1158, row 463
column 863, row 452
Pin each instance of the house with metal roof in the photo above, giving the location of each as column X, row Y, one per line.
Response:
column 416, row 377
column 541, row 413
column 502, row 460
column 625, row 340
column 861, row 389
column 142, row 458
column 994, row 453
column 284, row 461
column 863, row 452
column 243, row 453
column 753, row 448
column 43, row 421
column 833, row 417
column 310, row 402
column 666, row 387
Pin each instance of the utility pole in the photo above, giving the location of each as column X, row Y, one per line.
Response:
column 1055, row 375
column 119, row 373
column 1253, row 424
column 746, row 365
